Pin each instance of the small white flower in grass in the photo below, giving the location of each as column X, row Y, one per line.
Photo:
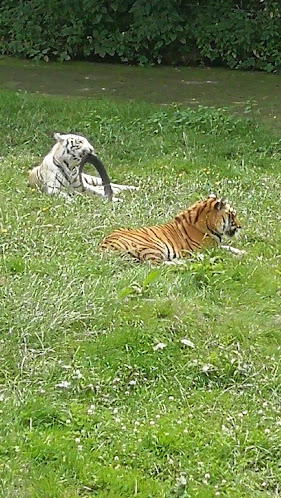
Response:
column 132, row 382
column 77, row 440
column 206, row 367
column 217, row 493
column 79, row 447
column 68, row 421
column 127, row 393
column 266, row 431
column 152, row 422
column 180, row 485
column 77, row 375
column 185, row 431
column 207, row 476
column 116, row 458
column 263, row 484
column 160, row 346
column 64, row 384
column 171, row 398
column 91, row 410
column 187, row 342
column 157, row 416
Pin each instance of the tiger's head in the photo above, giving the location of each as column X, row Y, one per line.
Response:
column 70, row 149
column 215, row 217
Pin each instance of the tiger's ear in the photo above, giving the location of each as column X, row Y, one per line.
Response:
column 57, row 137
column 220, row 204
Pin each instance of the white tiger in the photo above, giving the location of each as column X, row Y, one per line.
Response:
column 59, row 171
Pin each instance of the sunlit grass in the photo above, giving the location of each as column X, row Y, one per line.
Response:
column 90, row 405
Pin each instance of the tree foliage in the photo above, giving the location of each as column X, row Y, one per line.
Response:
column 244, row 35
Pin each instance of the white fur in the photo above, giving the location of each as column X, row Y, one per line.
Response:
column 59, row 171
column 234, row 250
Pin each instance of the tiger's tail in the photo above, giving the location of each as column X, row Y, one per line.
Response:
column 94, row 160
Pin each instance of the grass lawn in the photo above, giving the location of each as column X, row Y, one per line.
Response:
column 90, row 406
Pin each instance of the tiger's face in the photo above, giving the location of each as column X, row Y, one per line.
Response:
column 222, row 217
column 216, row 217
column 71, row 149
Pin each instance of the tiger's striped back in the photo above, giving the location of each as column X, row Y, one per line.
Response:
column 202, row 224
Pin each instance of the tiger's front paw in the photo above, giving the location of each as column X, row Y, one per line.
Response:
column 240, row 252
column 132, row 187
column 233, row 250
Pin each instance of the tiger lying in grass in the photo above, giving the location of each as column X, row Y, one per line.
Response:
column 59, row 171
column 201, row 225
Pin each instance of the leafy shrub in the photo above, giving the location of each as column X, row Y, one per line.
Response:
column 209, row 120
column 244, row 36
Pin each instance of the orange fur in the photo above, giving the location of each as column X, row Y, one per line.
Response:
column 202, row 224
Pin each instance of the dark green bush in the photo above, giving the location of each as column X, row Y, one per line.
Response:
column 245, row 35
column 244, row 38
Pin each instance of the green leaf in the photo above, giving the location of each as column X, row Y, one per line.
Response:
column 150, row 277
column 126, row 291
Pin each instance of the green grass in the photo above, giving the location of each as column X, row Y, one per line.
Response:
column 132, row 417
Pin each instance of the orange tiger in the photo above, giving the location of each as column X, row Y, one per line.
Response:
column 201, row 225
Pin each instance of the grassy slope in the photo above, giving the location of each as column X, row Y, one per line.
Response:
column 134, row 418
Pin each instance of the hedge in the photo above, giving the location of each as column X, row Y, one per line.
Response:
column 243, row 35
